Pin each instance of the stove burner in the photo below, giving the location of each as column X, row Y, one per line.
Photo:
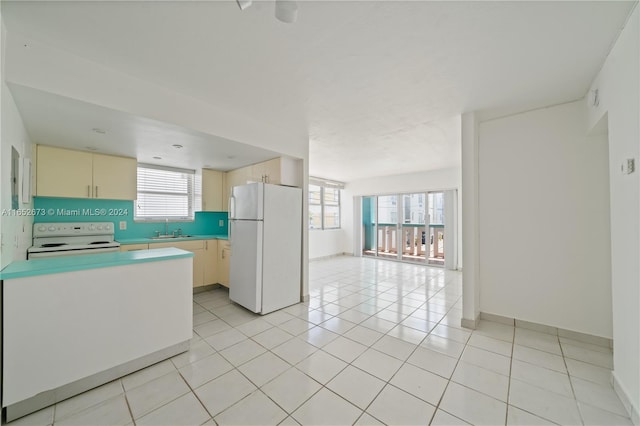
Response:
column 54, row 244
column 100, row 242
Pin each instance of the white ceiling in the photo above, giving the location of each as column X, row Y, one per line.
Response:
column 60, row 121
column 377, row 84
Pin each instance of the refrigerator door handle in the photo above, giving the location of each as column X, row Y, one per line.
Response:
column 232, row 207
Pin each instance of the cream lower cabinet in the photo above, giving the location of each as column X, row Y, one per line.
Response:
column 224, row 254
column 197, row 248
column 211, row 275
column 134, row 247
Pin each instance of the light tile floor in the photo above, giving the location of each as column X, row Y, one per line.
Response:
column 378, row 342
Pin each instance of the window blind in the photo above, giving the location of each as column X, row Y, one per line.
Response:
column 165, row 193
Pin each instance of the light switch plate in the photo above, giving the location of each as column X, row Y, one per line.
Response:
column 123, row 225
column 628, row 166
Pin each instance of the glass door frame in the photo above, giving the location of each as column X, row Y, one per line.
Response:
column 399, row 229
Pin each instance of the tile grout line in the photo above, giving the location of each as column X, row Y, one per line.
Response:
column 573, row 392
column 513, row 344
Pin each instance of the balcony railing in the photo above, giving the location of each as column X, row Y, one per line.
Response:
column 417, row 241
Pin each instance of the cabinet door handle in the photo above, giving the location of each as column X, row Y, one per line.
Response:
column 89, row 191
column 96, row 191
column 206, row 245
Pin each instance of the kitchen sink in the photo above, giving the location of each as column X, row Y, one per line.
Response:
column 170, row 237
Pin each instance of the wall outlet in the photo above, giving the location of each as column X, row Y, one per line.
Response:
column 221, row 223
column 123, row 225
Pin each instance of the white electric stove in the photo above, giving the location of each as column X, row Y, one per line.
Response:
column 72, row 239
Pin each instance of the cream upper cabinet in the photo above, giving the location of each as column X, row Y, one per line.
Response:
column 267, row 171
column 224, row 253
column 278, row 171
column 77, row 174
column 114, row 178
column 212, row 183
column 211, row 262
column 225, row 192
column 63, row 173
column 234, row 178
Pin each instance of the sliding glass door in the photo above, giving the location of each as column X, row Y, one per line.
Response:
column 387, row 226
column 436, row 228
column 407, row 227
column 414, row 227
column 369, row 221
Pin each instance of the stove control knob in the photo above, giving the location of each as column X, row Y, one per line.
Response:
column 52, row 228
column 99, row 227
column 107, row 227
column 91, row 228
column 42, row 228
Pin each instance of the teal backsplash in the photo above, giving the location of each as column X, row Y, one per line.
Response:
column 88, row 210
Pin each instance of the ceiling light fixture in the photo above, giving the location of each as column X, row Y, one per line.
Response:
column 176, row 146
column 243, row 4
column 287, row 11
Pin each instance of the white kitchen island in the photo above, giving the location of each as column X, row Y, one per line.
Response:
column 73, row 323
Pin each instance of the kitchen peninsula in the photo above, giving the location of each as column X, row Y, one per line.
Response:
column 73, row 323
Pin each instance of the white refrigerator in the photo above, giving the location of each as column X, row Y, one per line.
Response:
column 265, row 233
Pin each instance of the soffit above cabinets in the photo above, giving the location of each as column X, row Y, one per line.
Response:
column 59, row 121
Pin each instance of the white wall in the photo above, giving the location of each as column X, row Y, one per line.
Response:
column 618, row 84
column 328, row 242
column 544, row 221
column 15, row 231
column 469, row 219
column 412, row 182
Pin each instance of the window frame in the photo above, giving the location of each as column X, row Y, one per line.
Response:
column 192, row 187
column 324, row 185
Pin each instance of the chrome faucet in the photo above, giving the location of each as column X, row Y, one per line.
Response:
column 166, row 227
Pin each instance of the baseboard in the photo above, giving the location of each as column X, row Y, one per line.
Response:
column 470, row 323
column 207, row 287
column 331, row 256
column 497, row 318
column 53, row 396
column 556, row 331
column 622, row 393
